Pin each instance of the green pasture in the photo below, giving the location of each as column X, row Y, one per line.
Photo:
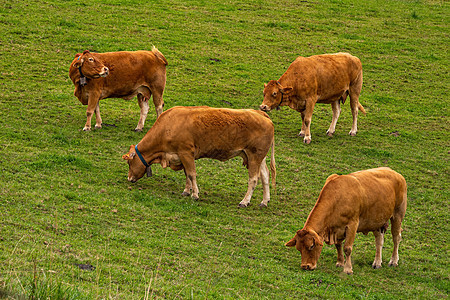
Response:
column 73, row 227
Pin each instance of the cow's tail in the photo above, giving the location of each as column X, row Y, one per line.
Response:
column 159, row 55
column 273, row 170
column 361, row 108
column 358, row 85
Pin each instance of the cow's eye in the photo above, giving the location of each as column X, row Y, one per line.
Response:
column 274, row 94
column 91, row 59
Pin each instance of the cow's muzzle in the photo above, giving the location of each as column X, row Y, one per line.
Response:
column 104, row 72
column 264, row 107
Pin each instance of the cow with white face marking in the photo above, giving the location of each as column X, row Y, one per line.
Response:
column 183, row 134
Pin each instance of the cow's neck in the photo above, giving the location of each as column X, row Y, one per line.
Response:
column 317, row 219
column 149, row 147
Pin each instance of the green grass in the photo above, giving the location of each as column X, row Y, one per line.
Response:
column 65, row 200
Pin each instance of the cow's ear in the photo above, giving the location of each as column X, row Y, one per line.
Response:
column 78, row 61
column 312, row 245
column 265, row 85
column 318, row 241
column 286, row 90
column 128, row 156
column 131, row 153
column 291, row 243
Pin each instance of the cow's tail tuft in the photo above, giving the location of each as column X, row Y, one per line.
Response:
column 273, row 170
column 159, row 55
column 361, row 108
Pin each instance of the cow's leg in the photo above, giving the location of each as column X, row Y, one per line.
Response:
column 143, row 104
column 307, row 120
column 354, row 91
column 396, row 237
column 340, row 255
column 158, row 101
column 253, row 172
column 98, row 118
column 264, row 175
column 189, row 169
column 91, row 107
column 188, row 187
column 302, row 131
column 336, row 107
column 350, row 235
column 379, row 240
column 396, row 229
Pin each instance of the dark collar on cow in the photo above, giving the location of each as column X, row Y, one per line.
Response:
column 149, row 168
column 141, row 157
column 83, row 81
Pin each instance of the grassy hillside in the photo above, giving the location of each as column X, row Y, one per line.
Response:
column 65, row 202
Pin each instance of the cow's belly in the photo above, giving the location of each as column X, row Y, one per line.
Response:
column 129, row 94
column 331, row 97
column 220, row 154
column 373, row 223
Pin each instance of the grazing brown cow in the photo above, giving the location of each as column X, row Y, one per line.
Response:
column 183, row 134
column 358, row 202
column 327, row 78
column 123, row 74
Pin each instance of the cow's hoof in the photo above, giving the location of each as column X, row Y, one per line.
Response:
column 263, row 205
column 330, row 134
column 375, row 266
column 307, row 141
column 98, row 127
column 185, row 194
column 339, row 264
column 87, row 129
column 352, row 133
column 391, row 264
column 301, row 134
column 138, row 130
column 243, row 205
column 348, row 272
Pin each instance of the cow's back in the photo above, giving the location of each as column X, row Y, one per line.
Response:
column 320, row 66
column 370, row 196
column 213, row 129
column 383, row 191
column 379, row 181
column 138, row 65
column 326, row 75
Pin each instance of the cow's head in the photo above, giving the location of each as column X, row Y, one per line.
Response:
column 274, row 95
column 137, row 168
column 310, row 244
column 90, row 65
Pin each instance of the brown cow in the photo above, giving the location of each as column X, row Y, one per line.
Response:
column 359, row 202
column 123, row 74
column 327, row 78
column 183, row 134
